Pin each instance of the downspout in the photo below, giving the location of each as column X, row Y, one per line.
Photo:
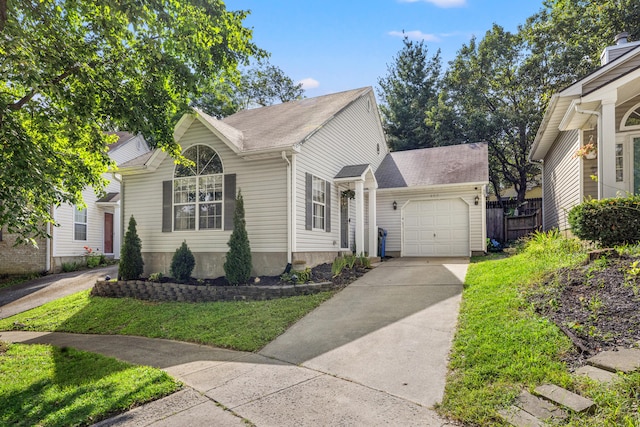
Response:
column 289, row 225
column 600, row 144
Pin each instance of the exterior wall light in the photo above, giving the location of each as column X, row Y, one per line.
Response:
column 476, row 200
column 395, row 205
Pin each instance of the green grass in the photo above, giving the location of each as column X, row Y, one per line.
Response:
column 49, row 386
column 244, row 326
column 502, row 346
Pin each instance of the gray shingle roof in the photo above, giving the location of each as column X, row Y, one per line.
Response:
column 109, row 198
column 351, row 171
column 289, row 123
column 454, row 164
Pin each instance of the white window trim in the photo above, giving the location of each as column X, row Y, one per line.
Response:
column 314, row 203
column 623, row 126
column 86, row 224
column 197, row 201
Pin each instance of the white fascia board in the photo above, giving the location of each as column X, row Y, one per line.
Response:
column 465, row 186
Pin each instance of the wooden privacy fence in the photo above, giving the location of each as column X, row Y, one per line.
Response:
column 513, row 222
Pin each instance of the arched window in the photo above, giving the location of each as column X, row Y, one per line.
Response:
column 197, row 191
column 631, row 119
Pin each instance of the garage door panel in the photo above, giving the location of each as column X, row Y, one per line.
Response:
column 436, row 228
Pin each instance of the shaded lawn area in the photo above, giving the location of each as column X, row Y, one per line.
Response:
column 49, row 386
column 246, row 326
column 503, row 347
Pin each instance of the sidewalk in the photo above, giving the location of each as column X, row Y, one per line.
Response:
column 375, row 354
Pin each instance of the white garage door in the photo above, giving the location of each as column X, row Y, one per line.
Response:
column 436, row 228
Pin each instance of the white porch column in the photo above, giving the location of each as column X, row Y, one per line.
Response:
column 373, row 228
column 359, row 217
column 607, row 151
column 117, row 227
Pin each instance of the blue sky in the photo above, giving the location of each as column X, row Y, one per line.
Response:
column 336, row 45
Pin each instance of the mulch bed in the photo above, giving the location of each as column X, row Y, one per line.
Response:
column 597, row 305
column 320, row 273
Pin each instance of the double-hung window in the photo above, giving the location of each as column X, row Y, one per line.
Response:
column 79, row 224
column 319, row 202
column 197, row 191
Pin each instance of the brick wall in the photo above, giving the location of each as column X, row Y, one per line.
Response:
column 21, row 259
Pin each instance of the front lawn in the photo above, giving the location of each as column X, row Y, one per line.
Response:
column 503, row 346
column 246, row 326
column 49, row 386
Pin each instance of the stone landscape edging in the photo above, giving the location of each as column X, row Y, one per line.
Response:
column 155, row 291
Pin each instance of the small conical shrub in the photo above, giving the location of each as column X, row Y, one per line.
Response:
column 237, row 266
column 182, row 263
column 131, row 264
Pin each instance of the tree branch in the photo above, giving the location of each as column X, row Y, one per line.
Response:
column 19, row 104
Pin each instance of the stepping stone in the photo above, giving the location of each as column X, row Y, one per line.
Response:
column 539, row 408
column 596, row 374
column 623, row 360
column 564, row 397
column 519, row 418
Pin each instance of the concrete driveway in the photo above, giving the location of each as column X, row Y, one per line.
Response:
column 375, row 354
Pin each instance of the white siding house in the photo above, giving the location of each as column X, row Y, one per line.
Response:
column 603, row 109
column 98, row 225
column 307, row 173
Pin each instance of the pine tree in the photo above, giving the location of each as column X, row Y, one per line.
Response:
column 408, row 92
column 131, row 264
column 238, row 266
column 182, row 263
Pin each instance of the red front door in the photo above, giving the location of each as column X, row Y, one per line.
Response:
column 108, row 233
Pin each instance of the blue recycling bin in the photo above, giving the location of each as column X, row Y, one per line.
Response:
column 382, row 241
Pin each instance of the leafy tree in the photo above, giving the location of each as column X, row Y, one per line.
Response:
column 261, row 85
column 182, row 263
column 131, row 264
column 491, row 86
column 237, row 267
column 407, row 92
column 266, row 84
column 567, row 37
column 71, row 70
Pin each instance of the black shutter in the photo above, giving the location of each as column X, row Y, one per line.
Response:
column 308, row 194
column 167, row 196
column 229, row 200
column 327, row 208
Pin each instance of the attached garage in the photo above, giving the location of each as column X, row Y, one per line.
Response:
column 435, row 228
column 432, row 201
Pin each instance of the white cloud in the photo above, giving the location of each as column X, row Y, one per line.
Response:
column 415, row 35
column 309, row 83
column 440, row 3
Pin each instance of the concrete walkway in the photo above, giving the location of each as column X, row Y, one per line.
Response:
column 375, row 354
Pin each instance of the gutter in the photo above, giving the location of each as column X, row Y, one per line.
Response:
column 600, row 142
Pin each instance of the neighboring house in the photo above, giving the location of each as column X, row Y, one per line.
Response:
column 602, row 109
column 98, row 226
column 307, row 173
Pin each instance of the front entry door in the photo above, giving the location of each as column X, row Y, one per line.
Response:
column 108, row 233
column 344, row 221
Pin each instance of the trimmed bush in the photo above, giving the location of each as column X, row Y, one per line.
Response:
column 131, row 264
column 609, row 222
column 182, row 263
column 237, row 267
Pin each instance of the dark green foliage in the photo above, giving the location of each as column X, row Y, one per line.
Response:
column 408, row 91
column 131, row 264
column 237, row 267
column 609, row 222
column 182, row 263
